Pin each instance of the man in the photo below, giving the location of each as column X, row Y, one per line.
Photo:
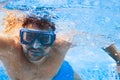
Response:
column 41, row 56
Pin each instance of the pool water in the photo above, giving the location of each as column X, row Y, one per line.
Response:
column 97, row 23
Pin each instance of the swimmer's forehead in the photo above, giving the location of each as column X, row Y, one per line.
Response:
column 36, row 27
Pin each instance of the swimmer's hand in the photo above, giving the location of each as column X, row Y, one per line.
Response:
column 113, row 52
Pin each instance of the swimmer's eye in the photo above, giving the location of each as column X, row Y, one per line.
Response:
column 28, row 37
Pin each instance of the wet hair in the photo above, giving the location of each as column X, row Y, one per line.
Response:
column 12, row 23
column 41, row 22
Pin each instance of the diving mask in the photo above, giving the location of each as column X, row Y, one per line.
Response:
column 46, row 38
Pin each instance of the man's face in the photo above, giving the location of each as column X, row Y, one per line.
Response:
column 35, row 51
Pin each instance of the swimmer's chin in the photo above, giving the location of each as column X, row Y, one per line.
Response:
column 39, row 60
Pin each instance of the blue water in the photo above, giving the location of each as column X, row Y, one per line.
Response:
column 97, row 23
column 3, row 73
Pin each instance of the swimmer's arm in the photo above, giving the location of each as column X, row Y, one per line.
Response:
column 6, row 41
column 3, row 41
column 62, row 45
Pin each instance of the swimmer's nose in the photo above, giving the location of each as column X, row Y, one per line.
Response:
column 37, row 44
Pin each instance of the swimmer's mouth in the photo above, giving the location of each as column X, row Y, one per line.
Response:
column 36, row 50
column 35, row 56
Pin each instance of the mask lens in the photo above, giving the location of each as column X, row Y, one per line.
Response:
column 28, row 37
column 44, row 39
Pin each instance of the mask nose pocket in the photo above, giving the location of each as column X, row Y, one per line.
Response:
column 37, row 44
